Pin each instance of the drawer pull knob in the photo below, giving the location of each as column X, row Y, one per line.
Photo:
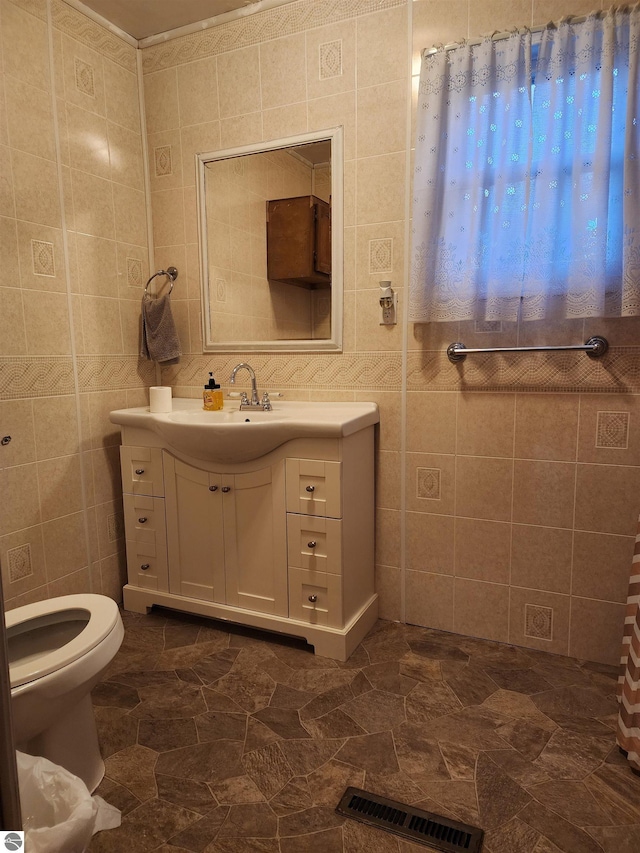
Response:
column 139, row 471
column 311, row 488
column 145, row 566
column 311, row 544
column 213, row 488
column 142, row 520
column 313, row 598
column 226, row 489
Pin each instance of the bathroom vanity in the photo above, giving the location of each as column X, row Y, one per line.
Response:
column 260, row 518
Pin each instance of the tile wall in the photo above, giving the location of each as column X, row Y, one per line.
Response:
column 507, row 487
column 73, row 239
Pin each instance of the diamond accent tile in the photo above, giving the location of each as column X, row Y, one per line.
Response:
column 381, row 255
column 163, row 161
column 330, row 59
column 19, row 560
column 134, row 272
column 84, row 78
column 612, row 430
column 428, row 483
column 488, row 326
column 538, row 622
column 115, row 526
column 221, row 290
column 238, row 167
column 43, row 258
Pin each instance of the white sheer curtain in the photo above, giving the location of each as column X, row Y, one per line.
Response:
column 526, row 198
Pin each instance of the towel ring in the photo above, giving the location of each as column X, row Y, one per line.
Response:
column 170, row 272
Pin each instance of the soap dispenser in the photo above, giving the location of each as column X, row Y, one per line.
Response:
column 212, row 397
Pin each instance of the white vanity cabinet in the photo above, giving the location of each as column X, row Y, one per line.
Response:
column 284, row 542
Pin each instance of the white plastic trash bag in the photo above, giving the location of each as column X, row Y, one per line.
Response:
column 59, row 815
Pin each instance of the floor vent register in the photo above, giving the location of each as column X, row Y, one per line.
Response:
column 437, row 832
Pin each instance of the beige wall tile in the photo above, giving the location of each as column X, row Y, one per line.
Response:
column 125, row 156
column 541, row 558
column 596, row 630
column 97, row 266
column 88, row 143
column 29, row 130
column 101, row 326
column 16, row 417
column 113, row 575
column 12, row 329
column 370, row 334
column 380, row 188
column 56, row 428
column 550, row 332
column 553, row 10
column 543, row 493
column 334, row 110
column 130, row 212
column 35, row 185
column 431, row 421
column 388, row 471
column 382, row 122
column 388, row 537
column 239, row 82
column 161, row 100
column 623, row 330
column 65, row 545
column 429, row 600
column 388, row 430
column 546, row 426
column 431, row 483
column 197, row 139
column 22, row 561
column 380, row 60
column 482, row 550
column 430, row 542
column 539, row 620
column 245, row 129
column 609, row 429
column 607, row 499
column 72, row 584
column 23, row 510
column 102, row 432
column 284, row 121
column 481, row 609
column 283, row 76
column 438, row 22
column 107, row 480
column 602, row 565
column 110, row 528
column 198, row 91
column 24, row 35
column 485, row 424
column 387, row 583
column 46, row 318
column 93, row 205
column 493, row 15
column 483, row 488
column 331, row 59
column 83, row 76
column 7, row 190
column 121, row 96
column 477, row 333
column 9, row 250
column 60, row 486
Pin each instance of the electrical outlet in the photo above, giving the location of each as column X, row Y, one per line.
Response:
column 389, row 313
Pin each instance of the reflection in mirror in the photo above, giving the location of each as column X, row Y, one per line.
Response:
column 271, row 245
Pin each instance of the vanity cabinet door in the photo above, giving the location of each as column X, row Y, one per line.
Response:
column 255, row 541
column 141, row 470
column 195, row 538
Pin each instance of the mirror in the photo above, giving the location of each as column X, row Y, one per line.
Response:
column 270, row 232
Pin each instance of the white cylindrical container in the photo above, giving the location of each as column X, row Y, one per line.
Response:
column 160, row 398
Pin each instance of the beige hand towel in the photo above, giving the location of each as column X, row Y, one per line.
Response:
column 159, row 339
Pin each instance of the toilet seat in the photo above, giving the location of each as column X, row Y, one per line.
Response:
column 101, row 615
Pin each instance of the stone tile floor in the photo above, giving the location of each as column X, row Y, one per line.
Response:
column 224, row 740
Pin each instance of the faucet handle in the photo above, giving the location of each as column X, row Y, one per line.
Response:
column 244, row 400
column 266, row 402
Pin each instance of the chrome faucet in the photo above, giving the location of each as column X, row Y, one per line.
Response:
column 244, row 401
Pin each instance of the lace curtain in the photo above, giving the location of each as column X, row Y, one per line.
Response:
column 527, row 197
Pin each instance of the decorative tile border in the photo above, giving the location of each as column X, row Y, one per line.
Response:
column 53, row 375
column 89, row 32
column 261, row 26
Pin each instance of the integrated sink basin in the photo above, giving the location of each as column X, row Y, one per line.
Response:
column 232, row 435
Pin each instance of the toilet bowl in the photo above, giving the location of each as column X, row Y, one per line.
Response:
column 58, row 651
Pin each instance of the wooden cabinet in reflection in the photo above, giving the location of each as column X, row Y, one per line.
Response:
column 299, row 241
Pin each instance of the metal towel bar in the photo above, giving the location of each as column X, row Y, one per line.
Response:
column 170, row 272
column 595, row 347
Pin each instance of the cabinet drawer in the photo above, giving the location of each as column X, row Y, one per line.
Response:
column 147, row 564
column 315, row 597
column 142, row 470
column 314, row 543
column 313, row 487
column 144, row 518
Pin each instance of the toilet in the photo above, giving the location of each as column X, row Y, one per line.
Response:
column 58, row 651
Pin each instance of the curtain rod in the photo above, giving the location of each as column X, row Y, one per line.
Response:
column 497, row 36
